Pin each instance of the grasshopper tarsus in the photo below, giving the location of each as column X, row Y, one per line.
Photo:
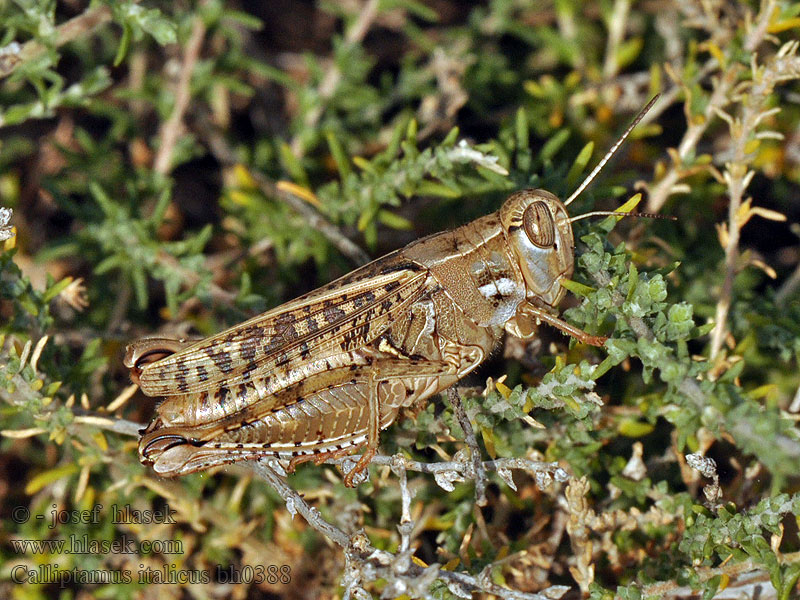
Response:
column 360, row 467
column 594, row 340
column 318, row 459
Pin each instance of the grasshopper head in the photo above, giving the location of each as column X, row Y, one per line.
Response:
column 538, row 231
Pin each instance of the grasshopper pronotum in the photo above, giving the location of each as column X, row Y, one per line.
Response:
column 322, row 375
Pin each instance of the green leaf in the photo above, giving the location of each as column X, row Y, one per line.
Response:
column 36, row 483
column 629, row 51
column 577, row 288
column 293, row 166
column 521, row 130
column 450, row 138
column 242, row 18
column 124, row 44
column 608, row 223
column 432, row 188
column 139, row 279
column 394, row 221
column 579, row 165
column 339, row 155
column 554, row 144
column 634, row 428
column 56, row 289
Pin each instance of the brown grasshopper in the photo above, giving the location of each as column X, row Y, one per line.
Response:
column 322, row 375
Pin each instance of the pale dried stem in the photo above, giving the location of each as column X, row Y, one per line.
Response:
column 579, row 520
column 746, row 581
column 719, row 35
column 315, row 220
column 366, row 563
column 120, row 310
column 137, row 72
column 354, row 35
column 191, row 278
column 296, row 501
column 172, row 128
column 406, row 525
column 568, row 30
column 789, row 287
column 758, row 32
column 472, row 444
column 101, row 421
column 794, row 407
column 616, row 31
column 659, row 193
column 735, row 191
column 738, row 175
column 13, row 55
column 170, row 132
column 460, row 467
column 23, row 393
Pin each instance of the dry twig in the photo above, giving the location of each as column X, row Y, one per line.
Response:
column 365, row 563
column 355, row 34
column 478, row 472
column 784, row 66
column 669, row 184
column 225, row 154
column 616, row 32
column 14, row 54
column 173, row 126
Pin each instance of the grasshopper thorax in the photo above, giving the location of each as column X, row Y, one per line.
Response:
column 539, row 234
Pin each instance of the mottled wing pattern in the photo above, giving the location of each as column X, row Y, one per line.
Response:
column 334, row 316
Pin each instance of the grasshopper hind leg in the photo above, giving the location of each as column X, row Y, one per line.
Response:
column 373, row 435
column 375, row 422
column 328, row 423
column 175, row 454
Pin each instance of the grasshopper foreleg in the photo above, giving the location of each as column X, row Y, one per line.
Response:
column 528, row 317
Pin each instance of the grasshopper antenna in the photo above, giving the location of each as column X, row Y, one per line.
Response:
column 612, row 213
column 611, row 151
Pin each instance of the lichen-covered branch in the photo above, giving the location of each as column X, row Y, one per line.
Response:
column 366, row 564
column 469, row 437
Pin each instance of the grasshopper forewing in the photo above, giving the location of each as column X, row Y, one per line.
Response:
column 321, row 375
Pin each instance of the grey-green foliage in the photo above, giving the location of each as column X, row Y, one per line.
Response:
column 48, row 91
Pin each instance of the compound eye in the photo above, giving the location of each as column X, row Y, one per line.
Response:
column 539, row 226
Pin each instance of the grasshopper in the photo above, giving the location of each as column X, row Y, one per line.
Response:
column 322, row 375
